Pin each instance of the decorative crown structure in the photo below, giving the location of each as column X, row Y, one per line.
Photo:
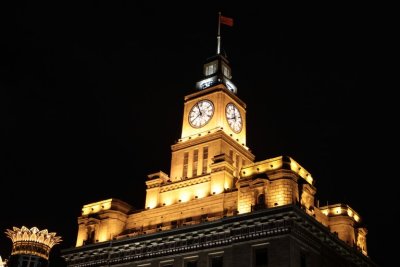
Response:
column 2, row 263
column 32, row 241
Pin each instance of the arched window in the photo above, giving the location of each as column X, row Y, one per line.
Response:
column 260, row 202
column 90, row 235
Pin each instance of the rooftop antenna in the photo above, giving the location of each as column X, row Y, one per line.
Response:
column 224, row 20
column 219, row 34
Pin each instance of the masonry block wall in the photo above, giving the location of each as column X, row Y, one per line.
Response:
column 282, row 190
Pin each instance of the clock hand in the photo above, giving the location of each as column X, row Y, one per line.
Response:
column 201, row 113
column 196, row 117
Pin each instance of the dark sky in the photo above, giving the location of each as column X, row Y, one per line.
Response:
column 91, row 98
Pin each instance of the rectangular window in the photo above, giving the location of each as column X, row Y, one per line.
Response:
column 231, row 154
column 237, row 165
column 303, row 262
column 260, row 257
column 191, row 264
column 167, row 263
column 205, row 159
column 185, row 164
column 217, row 261
column 211, row 69
column 174, row 224
column 226, row 72
column 195, row 161
column 190, row 261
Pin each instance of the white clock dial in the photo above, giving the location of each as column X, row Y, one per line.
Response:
column 234, row 117
column 201, row 113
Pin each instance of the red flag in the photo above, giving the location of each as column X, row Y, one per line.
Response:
column 226, row 21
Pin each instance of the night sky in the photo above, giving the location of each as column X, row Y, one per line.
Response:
column 91, row 99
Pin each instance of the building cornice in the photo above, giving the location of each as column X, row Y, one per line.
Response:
column 287, row 220
column 220, row 134
column 216, row 88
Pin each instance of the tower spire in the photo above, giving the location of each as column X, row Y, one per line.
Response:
column 216, row 70
column 224, row 20
column 219, row 34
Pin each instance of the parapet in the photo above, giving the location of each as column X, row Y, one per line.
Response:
column 104, row 205
column 277, row 163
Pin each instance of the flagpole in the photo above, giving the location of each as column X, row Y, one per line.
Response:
column 219, row 35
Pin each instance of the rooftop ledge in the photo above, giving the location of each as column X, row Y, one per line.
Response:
column 281, row 162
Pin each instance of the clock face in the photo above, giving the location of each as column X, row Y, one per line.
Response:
column 201, row 113
column 234, row 117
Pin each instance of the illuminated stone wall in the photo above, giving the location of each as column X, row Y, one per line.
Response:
column 214, row 196
column 362, row 239
column 217, row 143
column 101, row 221
column 282, row 191
column 344, row 221
column 181, row 214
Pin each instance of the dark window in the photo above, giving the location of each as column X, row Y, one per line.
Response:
column 90, row 236
column 185, row 164
column 261, row 257
column 205, row 159
column 261, row 199
column 217, row 262
column 237, row 163
column 303, row 262
column 191, row 264
column 168, row 265
column 195, row 161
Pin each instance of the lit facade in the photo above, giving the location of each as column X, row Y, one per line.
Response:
column 218, row 206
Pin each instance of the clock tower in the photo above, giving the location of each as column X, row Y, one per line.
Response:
column 213, row 129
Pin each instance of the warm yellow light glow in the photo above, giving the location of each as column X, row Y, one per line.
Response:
column 350, row 212
column 96, row 207
column 2, row 263
column 217, row 189
column 103, row 236
column 338, row 210
column 300, row 171
column 244, row 209
column 184, row 196
column 194, row 133
column 200, row 193
column 152, row 203
column 274, row 164
column 168, row 201
column 279, row 200
column 227, row 184
column 262, row 166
